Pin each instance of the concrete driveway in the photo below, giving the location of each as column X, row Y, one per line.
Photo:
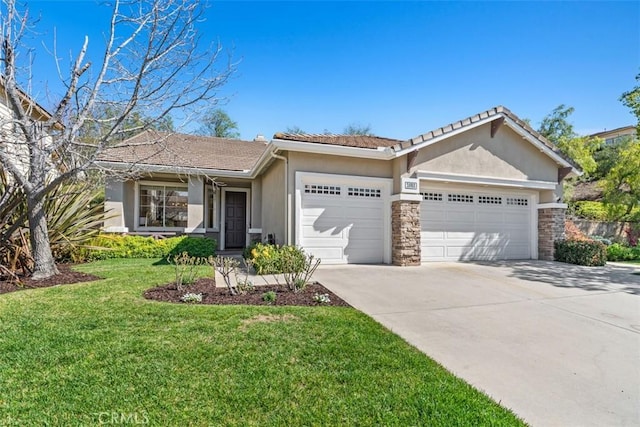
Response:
column 556, row 343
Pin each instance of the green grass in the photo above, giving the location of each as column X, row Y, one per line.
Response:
column 82, row 354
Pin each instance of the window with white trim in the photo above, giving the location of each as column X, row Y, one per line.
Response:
column 490, row 200
column 333, row 190
column 460, row 198
column 517, row 201
column 164, row 206
column 436, row 197
column 364, row 192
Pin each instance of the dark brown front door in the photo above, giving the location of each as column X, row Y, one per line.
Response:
column 235, row 221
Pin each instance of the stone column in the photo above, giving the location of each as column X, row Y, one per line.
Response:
column 405, row 232
column 550, row 228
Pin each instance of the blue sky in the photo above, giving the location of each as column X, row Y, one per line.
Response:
column 402, row 67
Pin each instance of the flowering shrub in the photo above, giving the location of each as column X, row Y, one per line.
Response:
column 274, row 259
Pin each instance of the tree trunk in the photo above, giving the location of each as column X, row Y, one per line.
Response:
column 44, row 264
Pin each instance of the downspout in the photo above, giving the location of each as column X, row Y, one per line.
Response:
column 287, row 198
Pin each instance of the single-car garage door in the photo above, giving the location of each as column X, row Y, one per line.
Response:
column 342, row 219
column 472, row 224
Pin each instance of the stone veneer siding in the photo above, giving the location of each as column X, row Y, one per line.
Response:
column 550, row 229
column 405, row 232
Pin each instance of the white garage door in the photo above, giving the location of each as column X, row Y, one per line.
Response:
column 463, row 224
column 342, row 220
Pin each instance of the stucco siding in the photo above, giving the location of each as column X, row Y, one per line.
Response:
column 273, row 202
column 341, row 165
column 474, row 152
column 129, row 204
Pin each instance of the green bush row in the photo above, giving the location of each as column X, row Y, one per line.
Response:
column 589, row 253
column 106, row 246
column 274, row 259
column 618, row 252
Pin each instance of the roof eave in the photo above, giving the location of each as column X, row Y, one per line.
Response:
column 143, row 167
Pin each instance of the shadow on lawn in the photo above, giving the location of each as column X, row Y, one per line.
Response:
column 607, row 278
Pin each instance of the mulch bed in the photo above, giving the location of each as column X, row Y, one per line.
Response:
column 220, row 295
column 67, row 276
column 206, row 286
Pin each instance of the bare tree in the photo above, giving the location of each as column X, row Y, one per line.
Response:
column 150, row 62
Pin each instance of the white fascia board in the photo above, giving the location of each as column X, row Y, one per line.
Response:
column 447, row 135
column 541, row 146
column 175, row 169
column 382, row 153
column 485, row 180
column 262, row 161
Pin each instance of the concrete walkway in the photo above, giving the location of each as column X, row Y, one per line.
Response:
column 558, row 344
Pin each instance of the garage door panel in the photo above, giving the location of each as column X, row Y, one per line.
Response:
column 365, row 233
column 460, row 216
column 363, row 213
column 346, row 226
column 431, row 235
column 485, row 229
column 331, row 254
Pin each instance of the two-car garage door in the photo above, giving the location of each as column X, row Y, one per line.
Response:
column 473, row 224
column 346, row 219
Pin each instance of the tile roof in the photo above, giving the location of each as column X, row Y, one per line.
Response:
column 357, row 141
column 188, row 151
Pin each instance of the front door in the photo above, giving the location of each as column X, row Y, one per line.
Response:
column 235, row 220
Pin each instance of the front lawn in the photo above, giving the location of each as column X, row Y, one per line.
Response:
column 98, row 352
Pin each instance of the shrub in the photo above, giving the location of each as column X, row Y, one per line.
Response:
column 598, row 211
column 321, row 298
column 107, row 246
column 618, row 252
column 269, row 297
column 589, row 253
column 573, row 232
column 186, row 267
column 602, row 240
column 191, row 298
column 201, row 247
column 266, row 258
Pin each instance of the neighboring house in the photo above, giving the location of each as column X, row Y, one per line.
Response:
column 12, row 144
column 483, row 188
column 616, row 135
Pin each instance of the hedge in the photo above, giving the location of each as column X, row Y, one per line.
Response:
column 107, row 246
column 589, row 253
column 618, row 252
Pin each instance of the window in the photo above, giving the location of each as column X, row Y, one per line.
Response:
column 461, row 198
column 163, row 206
column 322, row 189
column 517, row 201
column 212, row 208
column 364, row 192
column 490, row 200
column 436, row 197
